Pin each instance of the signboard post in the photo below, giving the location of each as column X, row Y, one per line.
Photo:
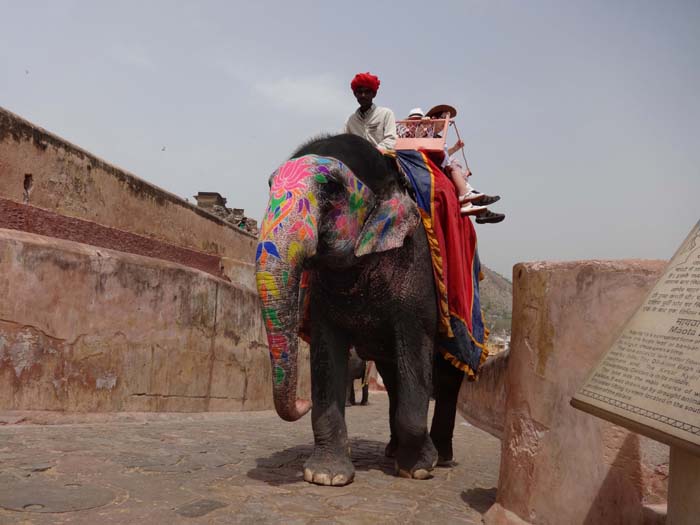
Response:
column 649, row 380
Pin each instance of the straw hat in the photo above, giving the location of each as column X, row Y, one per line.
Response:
column 441, row 108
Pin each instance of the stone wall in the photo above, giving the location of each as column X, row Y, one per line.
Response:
column 483, row 403
column 44, row 170
column 117, row 295
column 89, row 329
column 560, row 465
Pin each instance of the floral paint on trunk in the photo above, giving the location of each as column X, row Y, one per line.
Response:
column 289, row 234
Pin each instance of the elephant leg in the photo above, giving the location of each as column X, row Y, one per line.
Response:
column 447, row 380
column 416, row 455
column 388, row 373
column 365, row 395
column 330, row 462
column 351, row 392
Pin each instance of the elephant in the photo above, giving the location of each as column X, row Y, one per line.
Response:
column 356, row 370
column 342, row 231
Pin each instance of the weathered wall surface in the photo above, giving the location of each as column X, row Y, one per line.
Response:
column 560, row 465
column 39, row 168
column 120, row 318
column 91, row 329
column 483, row 403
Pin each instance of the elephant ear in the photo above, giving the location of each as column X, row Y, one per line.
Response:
column 388, row 225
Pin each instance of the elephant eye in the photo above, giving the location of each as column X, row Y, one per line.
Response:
column 332, row 189
column 330, row 196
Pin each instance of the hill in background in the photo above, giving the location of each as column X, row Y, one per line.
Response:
column 496, row 301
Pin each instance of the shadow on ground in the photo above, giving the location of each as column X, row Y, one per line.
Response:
column 287, row 466
column 479, row 499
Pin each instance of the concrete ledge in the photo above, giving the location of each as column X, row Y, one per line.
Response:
column 30, row 219
column 560, row 465
column 89, row 329
column 483, row 403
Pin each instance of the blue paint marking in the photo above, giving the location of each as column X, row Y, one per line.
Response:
column 271, row 249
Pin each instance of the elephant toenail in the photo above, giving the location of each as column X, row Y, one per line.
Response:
column 404, row 474
column 322, row 479
column 339, row 479
column 421, row 473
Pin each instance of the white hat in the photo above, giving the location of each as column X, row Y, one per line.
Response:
column 416, row 112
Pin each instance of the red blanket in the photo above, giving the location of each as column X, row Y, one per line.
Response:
column 452, row 238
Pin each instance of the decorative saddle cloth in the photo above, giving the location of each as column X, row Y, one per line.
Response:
column 456, row 267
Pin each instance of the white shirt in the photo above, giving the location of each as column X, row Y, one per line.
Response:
column 378, row 126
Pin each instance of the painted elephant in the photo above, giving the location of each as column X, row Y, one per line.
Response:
column 357, row 367
column 341, row 226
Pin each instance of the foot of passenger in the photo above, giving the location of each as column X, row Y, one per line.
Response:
column 324, row 469
column 489, row 217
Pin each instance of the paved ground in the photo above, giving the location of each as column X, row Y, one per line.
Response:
column 224, row 468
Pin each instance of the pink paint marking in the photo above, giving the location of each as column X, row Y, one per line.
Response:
column 278, row 344
column 292, row 175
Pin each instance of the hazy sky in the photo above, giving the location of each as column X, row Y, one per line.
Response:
column 584, row 116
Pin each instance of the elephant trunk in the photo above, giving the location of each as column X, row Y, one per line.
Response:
column 288, row 236
column 281, row 315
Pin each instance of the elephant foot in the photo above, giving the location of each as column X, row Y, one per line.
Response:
column 445, row 455
column 329, row 470
column 446, row 462
column 419, row 473
column 416, row 464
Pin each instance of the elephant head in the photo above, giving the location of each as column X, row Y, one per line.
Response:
column 317, row 209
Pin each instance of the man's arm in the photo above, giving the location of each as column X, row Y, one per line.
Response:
column 454, row 149
column 389, row 140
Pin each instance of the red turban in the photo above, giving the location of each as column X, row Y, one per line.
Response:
column 365, row 80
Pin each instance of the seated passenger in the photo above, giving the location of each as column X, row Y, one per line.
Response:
column 421, row 129
column 416, row 114
column 473, row 202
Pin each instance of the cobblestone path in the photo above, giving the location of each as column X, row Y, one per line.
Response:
column 241, row 467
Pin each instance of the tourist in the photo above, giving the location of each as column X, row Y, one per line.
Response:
column 371, row 122
column 415, row 130
column 472, row 202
